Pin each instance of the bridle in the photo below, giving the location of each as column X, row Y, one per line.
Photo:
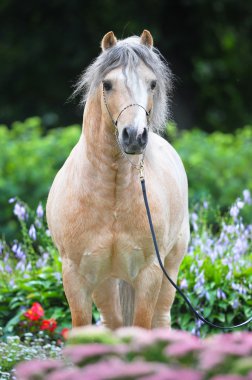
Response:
column 140, row 165
column 140, row 168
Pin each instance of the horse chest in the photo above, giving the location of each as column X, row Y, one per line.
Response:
column 120, row 238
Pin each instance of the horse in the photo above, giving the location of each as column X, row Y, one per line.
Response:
column 95, row 209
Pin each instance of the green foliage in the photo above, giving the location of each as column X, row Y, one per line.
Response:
column 29, row 162
column 219, row 280
column 30, row 271
column 217, row 164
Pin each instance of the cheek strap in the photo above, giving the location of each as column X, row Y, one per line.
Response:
column 115, row 122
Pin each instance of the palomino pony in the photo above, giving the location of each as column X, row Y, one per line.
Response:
column 95, row 208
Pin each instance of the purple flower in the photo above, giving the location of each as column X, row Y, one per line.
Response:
column 229, row 275
column 20, row 266
column 12, row 200
column 1, row 248
column 183, row 284
column 235, row 304
column 8, row 268
column 38, row 223
column 199, row 286
column 241, row 246
column 6, row 257
column 230, row 229
column 32, row 232
column 234, row 211
column 239, row 288
column 42, row 260
column 40, row 211
column 58, row 277
column 246, row 196
column 20, row 211
column 194, row 218
column 196, row 330
column 16, row 248
column 240, row 204
column 221, row 294
column 205, row 204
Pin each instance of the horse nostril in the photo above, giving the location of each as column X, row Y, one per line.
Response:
column 126, row 135
column 143, row 138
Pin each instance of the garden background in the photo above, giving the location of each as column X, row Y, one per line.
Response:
column 44, row 46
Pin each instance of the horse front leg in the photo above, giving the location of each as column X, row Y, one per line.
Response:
column 78, row 294
column 147, row 287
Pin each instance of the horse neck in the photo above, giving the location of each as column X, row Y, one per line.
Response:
column 102, row 151
column 100, row 141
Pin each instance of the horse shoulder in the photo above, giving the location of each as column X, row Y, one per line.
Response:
column 167, row 161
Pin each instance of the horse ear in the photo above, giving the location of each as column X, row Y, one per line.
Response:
column 108, row 41
column 146, row 38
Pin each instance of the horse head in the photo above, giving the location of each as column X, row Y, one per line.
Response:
column 128, row 93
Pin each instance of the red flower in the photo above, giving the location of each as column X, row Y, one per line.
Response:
column 64, row 332
column 48, row 324
column 35, row 312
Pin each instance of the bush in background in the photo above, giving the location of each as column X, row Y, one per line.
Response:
column 30, row 271
column 29, row 162
column 217, row 165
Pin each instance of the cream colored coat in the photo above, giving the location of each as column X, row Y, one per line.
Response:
column 97, row 219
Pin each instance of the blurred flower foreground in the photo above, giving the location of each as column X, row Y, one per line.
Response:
column 96, row 353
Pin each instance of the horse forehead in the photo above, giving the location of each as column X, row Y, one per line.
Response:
column 131, row 75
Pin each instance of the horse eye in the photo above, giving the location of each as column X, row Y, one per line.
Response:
column 107, row 85
column 153, row 84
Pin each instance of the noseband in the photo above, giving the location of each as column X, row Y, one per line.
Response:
column 115, row 122
column 140, row 166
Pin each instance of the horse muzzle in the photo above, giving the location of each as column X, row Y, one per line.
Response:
column 133, row 142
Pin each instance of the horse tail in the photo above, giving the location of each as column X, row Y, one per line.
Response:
column 127, row 299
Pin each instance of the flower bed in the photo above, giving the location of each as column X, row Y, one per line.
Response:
column 30, row 270
column 134, row 353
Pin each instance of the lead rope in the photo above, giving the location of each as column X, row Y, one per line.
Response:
column 188, row 302
column 140, row 168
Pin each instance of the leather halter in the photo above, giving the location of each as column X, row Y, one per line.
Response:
column 115, row 122
column 140, row 166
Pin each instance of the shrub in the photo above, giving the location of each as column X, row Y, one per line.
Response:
column 216, row 272
column 136, row 353
column 217, row 164
column 29, row 162
column 30, row 271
